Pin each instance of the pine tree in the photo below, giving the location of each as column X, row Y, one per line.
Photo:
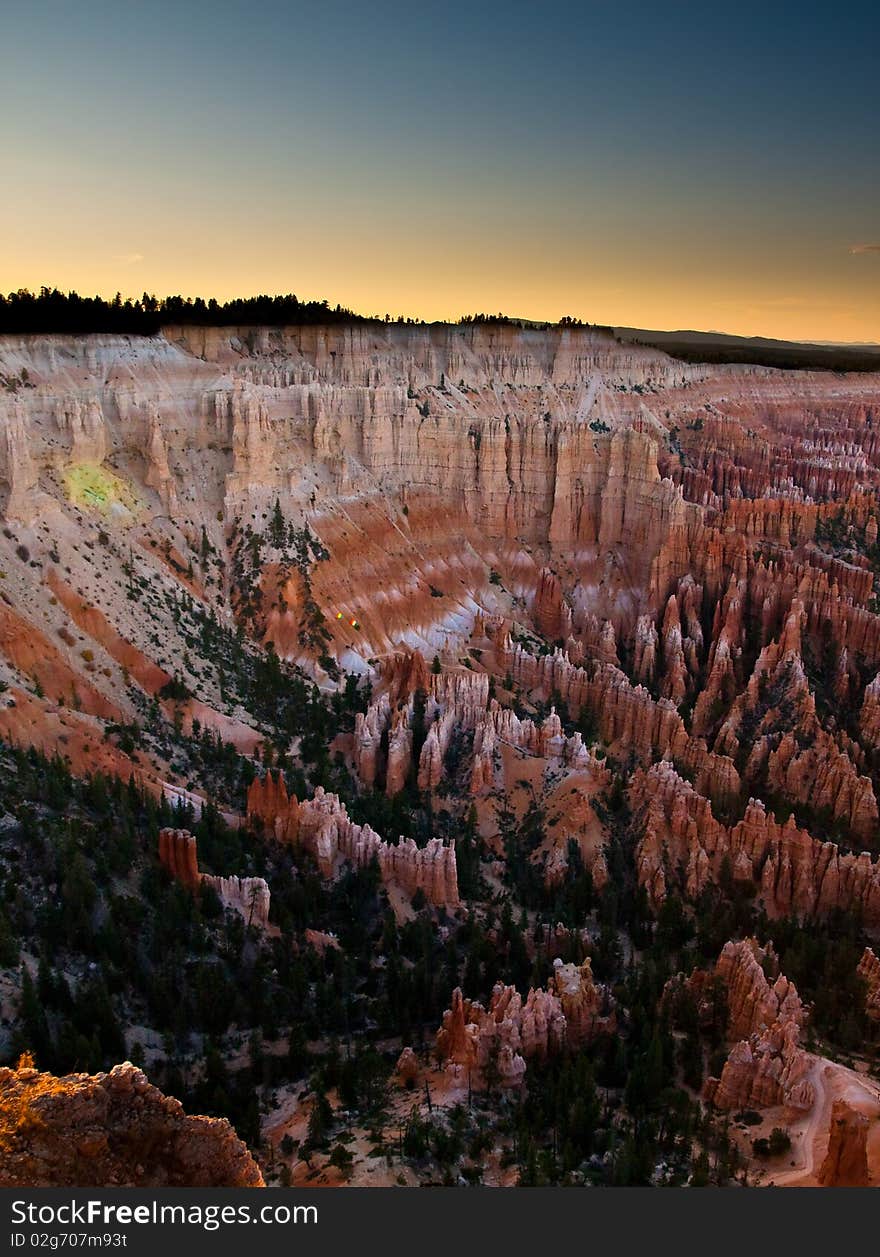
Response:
column 277, row 527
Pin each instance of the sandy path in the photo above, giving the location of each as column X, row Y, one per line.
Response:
column 813, row 1126
column 832, row 1082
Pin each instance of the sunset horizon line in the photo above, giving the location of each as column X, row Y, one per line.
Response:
column 564, row 321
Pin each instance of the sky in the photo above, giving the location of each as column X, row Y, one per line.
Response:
column 678, row 165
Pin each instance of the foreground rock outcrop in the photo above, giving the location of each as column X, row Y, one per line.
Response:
column 111, row 1130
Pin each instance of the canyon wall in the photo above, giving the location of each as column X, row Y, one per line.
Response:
column 555, row 439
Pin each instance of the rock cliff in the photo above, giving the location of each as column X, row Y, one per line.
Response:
column 111, row 1130
column 846, row 1161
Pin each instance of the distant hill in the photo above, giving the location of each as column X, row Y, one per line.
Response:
column 692, row 346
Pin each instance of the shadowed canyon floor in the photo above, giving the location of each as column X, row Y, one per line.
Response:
column 451, row 754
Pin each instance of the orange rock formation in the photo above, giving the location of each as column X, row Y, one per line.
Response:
column 248, row 896
column 323, row 827
column 511, row 1031
column 797, row 875
column 846, row 1162
column 869, row 969
column 111, row 1130
column 767, row 1066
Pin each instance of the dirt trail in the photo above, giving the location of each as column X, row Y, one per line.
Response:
column 832, row 1082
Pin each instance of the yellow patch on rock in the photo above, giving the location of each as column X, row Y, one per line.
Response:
column 92, row 486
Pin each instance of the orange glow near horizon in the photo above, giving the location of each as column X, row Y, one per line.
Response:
column 385, row 260
column 842, row 312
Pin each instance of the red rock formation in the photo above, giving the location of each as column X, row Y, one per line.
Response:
column 797, row 874
column 407, row 1068
column 178, row 855
column 804, row 763
column 511, row 1032
column 249, row 896
column 767, row 1066
column 581, row 1001
column 675, row 675
column 869, row 716
column 846, row 1161
column 454, row 700
column 112, row 1130
column 552, row 617
column 269, row 805
column 323, row 827
column 553, row 940
column 406, row 674
column 546, row 740
column 629, row 719
column 646, row 650
column 824, row 777
column 869, row 970
column 320, row 941
column 400, row 752
column 368, row 729
column 753, row 1001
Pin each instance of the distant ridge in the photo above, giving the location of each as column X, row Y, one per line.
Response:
column 718, row 347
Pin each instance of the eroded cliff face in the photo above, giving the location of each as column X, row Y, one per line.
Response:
column 683, row 556
column 523, row 444
column 112, row 1130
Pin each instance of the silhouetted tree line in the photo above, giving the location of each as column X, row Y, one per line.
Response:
column 492, row 320
column 785, row 357
column 504, row 320
column 50, row 310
